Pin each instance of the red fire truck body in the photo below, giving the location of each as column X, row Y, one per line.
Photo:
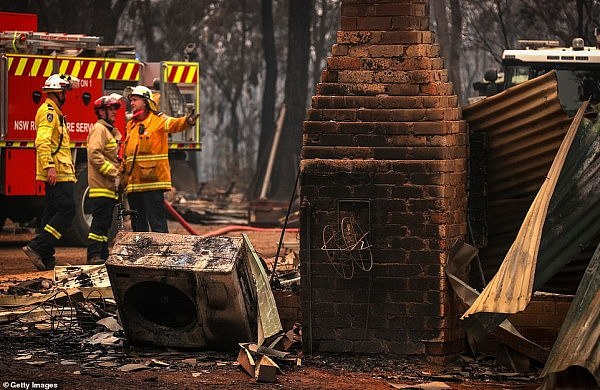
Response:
column 17, row 21
column 25, row 75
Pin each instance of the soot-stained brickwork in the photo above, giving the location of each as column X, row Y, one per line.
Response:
column 383, row 189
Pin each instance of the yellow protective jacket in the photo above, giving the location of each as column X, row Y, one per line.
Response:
column 146, row 153
column 52, row 143
column 103, row 159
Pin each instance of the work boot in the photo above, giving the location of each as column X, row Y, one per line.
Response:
column 35, row 258
column 96, row 260
column 50, row 264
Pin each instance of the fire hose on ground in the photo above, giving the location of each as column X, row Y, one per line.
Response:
column 227, row 229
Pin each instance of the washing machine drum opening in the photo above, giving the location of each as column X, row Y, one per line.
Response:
column 161, row 304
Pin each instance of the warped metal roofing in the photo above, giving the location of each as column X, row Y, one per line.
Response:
column 578, row 343
column 542, row 213
column 511, row 288
column 525, row 125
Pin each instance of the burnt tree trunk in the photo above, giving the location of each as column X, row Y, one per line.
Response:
column 267, row 129
column 296, row 95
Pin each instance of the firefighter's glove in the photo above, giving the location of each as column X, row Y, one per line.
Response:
column 192, row 117
column 117, row 184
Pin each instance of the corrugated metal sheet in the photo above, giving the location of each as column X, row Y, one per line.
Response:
column 564, row 282
column 525, row 126
column 578, row 342
column 511, row 288
column 572, row 224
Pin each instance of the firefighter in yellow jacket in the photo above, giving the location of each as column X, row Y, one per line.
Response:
column 54, row 167
column 103, row 168
column 145, row 169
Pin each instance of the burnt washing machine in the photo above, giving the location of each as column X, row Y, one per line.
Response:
column 183, row 291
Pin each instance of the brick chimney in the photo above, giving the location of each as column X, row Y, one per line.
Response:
column 383, row 189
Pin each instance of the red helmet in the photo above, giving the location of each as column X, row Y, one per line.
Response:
column 112, row 100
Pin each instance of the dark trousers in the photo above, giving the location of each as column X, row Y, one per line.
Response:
column 59, row 210
column 102, row 217
column 150, row 211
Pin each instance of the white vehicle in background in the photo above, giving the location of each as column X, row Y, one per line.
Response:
column 577, row 69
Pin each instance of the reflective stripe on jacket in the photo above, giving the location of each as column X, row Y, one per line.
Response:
column 102, row 159
column 146, row 156
column 50, row 125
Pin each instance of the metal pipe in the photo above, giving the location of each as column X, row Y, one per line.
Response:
column 285, row 225
column 305, row 218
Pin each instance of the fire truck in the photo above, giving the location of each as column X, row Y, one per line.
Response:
column 27, row 58
column 577, row 70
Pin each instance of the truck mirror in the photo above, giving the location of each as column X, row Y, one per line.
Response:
column 490, row 75
column 36, row 96
column 86, row 97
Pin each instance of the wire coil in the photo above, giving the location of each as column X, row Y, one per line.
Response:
column 347, row 248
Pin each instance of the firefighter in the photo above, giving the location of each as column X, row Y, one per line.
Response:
column 103, row 168
column 146, row 173
column 54, row 167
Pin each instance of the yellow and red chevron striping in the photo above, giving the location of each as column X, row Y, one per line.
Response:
column 192, row 145
column 182, row 73
column 29, row 66
column 31, row 144
column 17, row 144
column 81, row 68
column 116, row 70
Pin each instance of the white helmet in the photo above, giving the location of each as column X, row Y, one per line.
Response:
column 112, row 100
column 60, row 82
column 145, row 93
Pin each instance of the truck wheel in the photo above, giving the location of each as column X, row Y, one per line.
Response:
column 77, row 233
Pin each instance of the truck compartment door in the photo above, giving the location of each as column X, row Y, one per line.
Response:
column 19, row 178
column 25, row 76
